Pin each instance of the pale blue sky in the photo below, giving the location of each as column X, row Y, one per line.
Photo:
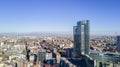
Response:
column 59, row 15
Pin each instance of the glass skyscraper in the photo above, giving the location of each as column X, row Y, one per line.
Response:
column 81, row 38
column 118, row 44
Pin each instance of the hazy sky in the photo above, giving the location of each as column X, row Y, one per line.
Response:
column 59, row 15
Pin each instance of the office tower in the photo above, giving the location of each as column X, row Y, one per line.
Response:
column 51, row 62
column 58, row 57
column 27, row 55
column 81, row 38
column 118, row 43
column 35, row 58
column 69, row 52
column 64, row 64
column 41, row 56
column 26, row 46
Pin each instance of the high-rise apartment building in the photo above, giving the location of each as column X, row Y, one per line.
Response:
column 81, row 38
column 118, row 43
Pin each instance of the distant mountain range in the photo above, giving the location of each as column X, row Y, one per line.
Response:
column 45, row 34
column 37, row 34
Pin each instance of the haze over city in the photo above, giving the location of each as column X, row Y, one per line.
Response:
column 59, row 15
column 59, row 33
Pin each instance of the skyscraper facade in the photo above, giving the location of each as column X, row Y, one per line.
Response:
column 81, row 38
column 118, row 43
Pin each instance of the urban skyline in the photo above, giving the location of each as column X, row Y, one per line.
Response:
column 57, row 16
column 60, row 51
